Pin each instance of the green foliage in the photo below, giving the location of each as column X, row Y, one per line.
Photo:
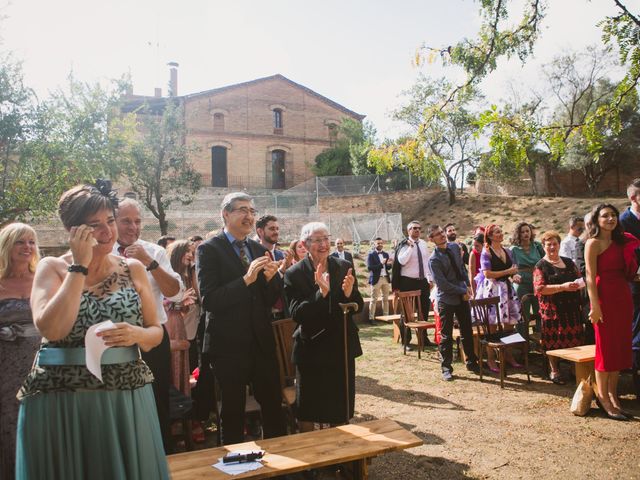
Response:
column 158, row 165
column 349, row 154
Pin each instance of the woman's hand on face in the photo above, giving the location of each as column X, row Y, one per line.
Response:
column 123, row 335
column 81, row 243
column 595, row 315
column 347, row 283
column 322, row 280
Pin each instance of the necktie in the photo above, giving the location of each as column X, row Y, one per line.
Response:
column 243, row 254
column 454, row 265
column 420, row 262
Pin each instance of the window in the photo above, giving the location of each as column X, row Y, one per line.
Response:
column 277, row 119
column 277, row 169
column 218, row 122
column 333, row 133
column 219, row 167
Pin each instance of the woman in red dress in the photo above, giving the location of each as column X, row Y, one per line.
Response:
column 611, row 263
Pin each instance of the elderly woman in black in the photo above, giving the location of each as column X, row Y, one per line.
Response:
column 314, row 287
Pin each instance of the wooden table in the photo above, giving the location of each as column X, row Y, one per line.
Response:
column 355, row 443
column 583, row 357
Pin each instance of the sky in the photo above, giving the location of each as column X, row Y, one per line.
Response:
column 356, row 52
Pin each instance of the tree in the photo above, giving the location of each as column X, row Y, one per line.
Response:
column 159, row 169
column 478, row 57
column 48, row 146
column 441, row 147
column 349, row 154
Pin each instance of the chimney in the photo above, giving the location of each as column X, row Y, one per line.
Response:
column 173, row 79
column 157, row 92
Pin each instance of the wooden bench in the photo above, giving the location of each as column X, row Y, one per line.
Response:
column 354, row 444
column 583, row 357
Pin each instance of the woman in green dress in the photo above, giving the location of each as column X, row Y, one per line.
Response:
column 71, row 424
column 526, row 253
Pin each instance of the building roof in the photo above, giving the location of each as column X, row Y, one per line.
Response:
column 307, row 90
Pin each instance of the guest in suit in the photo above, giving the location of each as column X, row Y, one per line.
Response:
column 342, row 253
column 379, row 267
column 630, row 220
column 314, row 287
column 237, row 285
column 268, row 232
column 411, row 272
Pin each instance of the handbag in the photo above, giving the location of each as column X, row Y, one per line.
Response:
column 582, row 398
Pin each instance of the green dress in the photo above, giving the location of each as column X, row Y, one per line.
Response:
column 71, row 425
column 526, row 261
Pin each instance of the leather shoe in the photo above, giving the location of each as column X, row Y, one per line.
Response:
column 473, row 367
column 612, row 416
column 409, row 348
column 447, row 376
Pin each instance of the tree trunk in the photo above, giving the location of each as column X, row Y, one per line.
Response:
column 451, row 189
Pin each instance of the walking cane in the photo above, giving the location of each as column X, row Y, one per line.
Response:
column 346, row 308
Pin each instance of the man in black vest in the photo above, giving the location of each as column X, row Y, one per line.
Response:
column 236, row 278
column 630, row 220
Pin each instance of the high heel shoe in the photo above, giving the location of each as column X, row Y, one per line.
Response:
column 494, row 369
column 612, row 416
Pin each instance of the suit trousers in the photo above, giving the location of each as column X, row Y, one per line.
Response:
column 159, row 361
column 382, row 287
column 407, row 285
column 463, row 314
column 262, row 375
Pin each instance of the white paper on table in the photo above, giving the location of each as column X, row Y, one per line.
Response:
column 515, row 338
column 238, row 468
column 95, row 347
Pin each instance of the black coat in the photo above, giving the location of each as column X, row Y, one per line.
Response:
column 238, row 316
column 319, row 338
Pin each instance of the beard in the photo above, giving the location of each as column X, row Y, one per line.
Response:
column 452, row 238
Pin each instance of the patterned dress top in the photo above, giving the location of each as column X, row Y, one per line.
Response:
column 115, row 299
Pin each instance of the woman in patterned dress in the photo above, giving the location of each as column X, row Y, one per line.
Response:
column 555, row 283
column 73, row 425
column 19, row 339
column 496, row 272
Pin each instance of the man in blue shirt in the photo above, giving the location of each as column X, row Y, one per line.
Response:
column 453, row 293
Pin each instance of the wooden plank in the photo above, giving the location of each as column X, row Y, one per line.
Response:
column 584, row 353
column 302, row 451
column 388, row 318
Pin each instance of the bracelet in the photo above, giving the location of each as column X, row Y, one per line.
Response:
column 77, row 268
column 153, row 265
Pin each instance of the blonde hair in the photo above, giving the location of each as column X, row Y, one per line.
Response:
column 9, row 235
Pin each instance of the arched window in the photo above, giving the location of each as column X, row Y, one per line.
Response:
column 219, row 167
column 218, row 122
column 333, row 133
column 277, row 169
column 277, row 120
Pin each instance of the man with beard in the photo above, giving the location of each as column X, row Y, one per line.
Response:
column 452, row 235
column 379, row 268
column 268, row 232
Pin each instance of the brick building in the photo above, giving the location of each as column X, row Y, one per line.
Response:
column 260, row 134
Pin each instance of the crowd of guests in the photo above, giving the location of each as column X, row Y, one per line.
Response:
column 206, row 305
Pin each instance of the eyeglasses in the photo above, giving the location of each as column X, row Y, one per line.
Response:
column 415, row 228
column 246, row 211
column 319, row 241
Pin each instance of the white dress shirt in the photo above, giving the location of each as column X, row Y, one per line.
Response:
column 408, row 258
column 568, row 247
column 159, row 254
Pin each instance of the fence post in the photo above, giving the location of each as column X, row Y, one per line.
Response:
column 317, row 195
column 409, row 179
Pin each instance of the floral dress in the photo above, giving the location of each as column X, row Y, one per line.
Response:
column 509, row 305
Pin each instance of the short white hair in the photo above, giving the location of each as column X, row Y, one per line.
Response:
column 311, row 228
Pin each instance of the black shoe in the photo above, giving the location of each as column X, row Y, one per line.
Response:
column 473, row 367
column 447, row 376
column 612, row 416
column 409, row 348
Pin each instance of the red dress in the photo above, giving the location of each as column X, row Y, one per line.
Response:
column 613, row 334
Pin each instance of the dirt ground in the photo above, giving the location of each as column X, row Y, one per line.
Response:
column 474, row 429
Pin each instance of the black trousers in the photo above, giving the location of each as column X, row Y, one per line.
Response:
column 159, row 361
column 463, row 314
column 406, row 285
column 262, row 374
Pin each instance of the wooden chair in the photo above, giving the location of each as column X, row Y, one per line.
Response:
column 490, row 335
column 283, row 333
column 535, row 338
column 411, row 308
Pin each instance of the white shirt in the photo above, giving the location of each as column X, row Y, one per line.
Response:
column 383, row 272
column 408, row 258
column 159, row 254
column 568, row 247
column 340, row 254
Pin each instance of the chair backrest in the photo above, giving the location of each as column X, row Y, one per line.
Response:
column 283, row 333
column 409, row 305
column 482, row 308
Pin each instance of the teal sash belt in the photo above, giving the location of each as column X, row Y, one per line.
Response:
column 76, row 356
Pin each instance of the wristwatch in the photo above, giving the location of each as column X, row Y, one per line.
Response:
column 77, row 268
column 153, row 265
